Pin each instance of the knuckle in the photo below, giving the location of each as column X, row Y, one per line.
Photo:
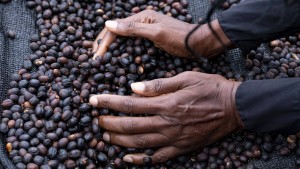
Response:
column 141, row 141
column 172, row 105
column 106, row 102
column 148, row 12
column 127, row 106
column 128, row 126
column 130, row 25
column 162, row 157
column 157, row 86
column 158, row 32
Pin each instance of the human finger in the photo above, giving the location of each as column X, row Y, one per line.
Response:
column 131, row 125
column 129, row 104
column 108, row 39
column 148, row 140
column 161, row 86
column 99, row 39
column 160, row 156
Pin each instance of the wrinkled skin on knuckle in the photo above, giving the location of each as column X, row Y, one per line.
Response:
column 157, row 86
column 128, row 26
column 106, row 103
column 171, row 105
column 162, row 157
column 127, row 106
column 128, row 126
column 141, row 141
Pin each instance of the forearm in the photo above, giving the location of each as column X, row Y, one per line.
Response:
column 251, row 23
column 270, row 105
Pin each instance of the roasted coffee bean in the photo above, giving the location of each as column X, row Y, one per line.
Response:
column 66, row 115
column 53, row 163
column 39, row 160
column 62, row 155
column 85, row 107
column 48, row 97
column 32, row 166
column 147, row 161
column 52, row 136
column 52, row 152
column 70, row 164
column 284, row 151
column 50, row 126
column 42, row 149
column 75, row 154
column 45, row 167
column 81, row 143
column 33, row 150
column 34, row 142
column 3, row 128
column 86, row 120
column 63, row 142
column 102, row 158
column 17, row 159
column 27, row 158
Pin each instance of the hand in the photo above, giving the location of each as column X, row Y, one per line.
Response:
column 190, row 110
column 166, row 32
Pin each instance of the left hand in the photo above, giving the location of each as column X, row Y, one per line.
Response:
column 190, row 111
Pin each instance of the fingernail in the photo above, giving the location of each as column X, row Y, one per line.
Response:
column 106, row 137
column 138, row 86
column 111, row 24
column 94, row 101
column 128, row 159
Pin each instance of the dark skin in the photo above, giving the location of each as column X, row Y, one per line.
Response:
column 189, row 111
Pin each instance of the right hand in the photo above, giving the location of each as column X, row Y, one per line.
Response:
column 166, row 32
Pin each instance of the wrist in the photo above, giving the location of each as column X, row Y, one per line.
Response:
column 203, row 41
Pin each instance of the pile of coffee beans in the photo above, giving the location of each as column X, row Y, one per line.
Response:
column 48, row 121
column 282, row 61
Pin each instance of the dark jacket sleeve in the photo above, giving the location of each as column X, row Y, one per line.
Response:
column 270, row 105
column 266, row 105
column 252, row 22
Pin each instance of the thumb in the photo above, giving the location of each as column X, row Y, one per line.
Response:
column 131, row 28
column 160, row 86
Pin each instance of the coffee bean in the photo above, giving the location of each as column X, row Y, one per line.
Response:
column 147, row 161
